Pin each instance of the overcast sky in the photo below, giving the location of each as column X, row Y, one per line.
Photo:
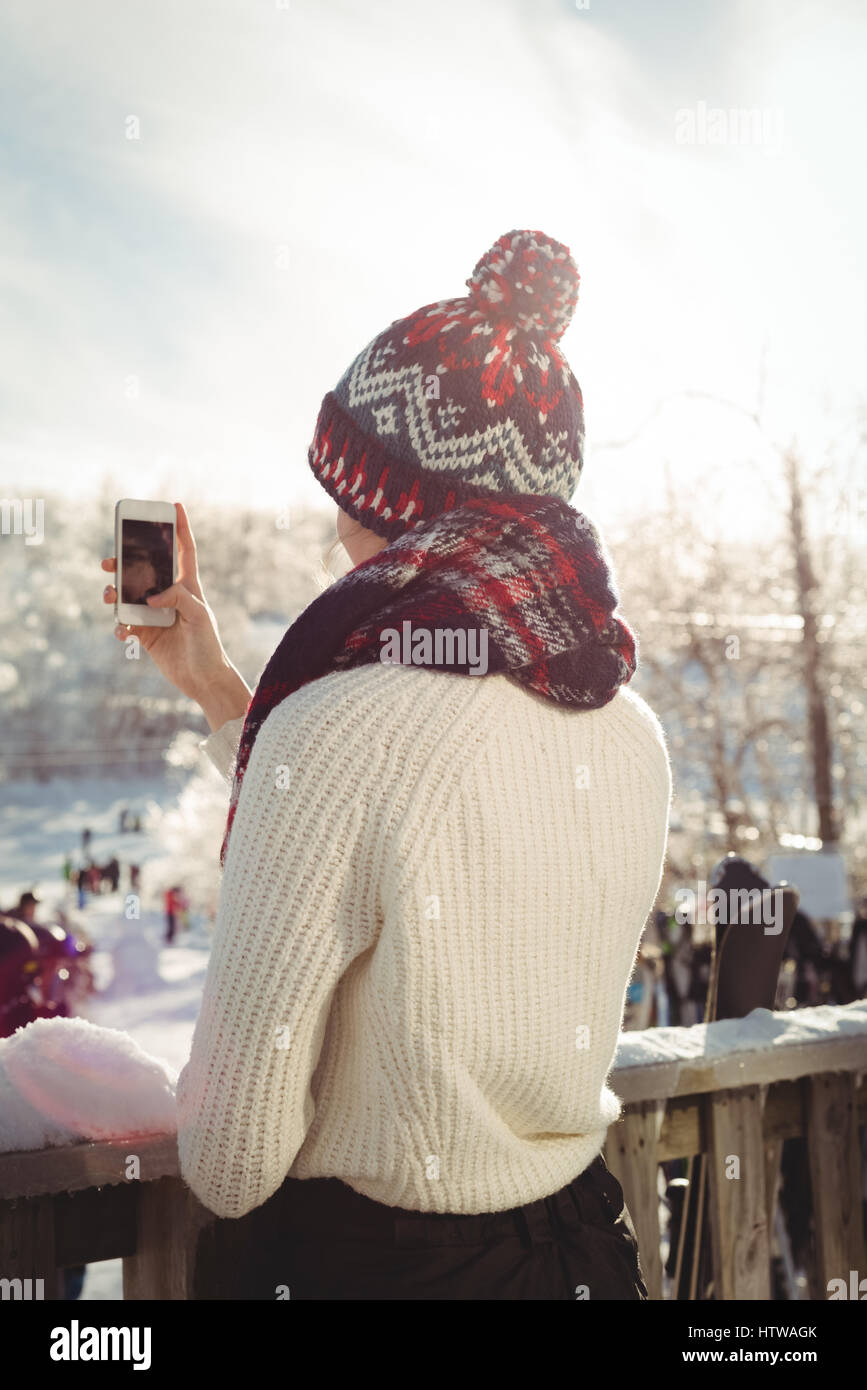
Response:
column 174, row 306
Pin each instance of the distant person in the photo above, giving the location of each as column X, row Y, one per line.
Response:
column 111, row 874
column 19, row 965
column 858, row 952
column 85, row 840
column 25, row 909
column 45, row 980
column 678, row 963
column 176, row 905
column 838, row 986
column 134, row 875
column 82, row 983
column 56, row 955
column 640, row 994
column 702, row 960
column 662, row 986
column 806, row 948
column 66, row 869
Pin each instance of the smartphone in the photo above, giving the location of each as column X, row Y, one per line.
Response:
column 146, row 548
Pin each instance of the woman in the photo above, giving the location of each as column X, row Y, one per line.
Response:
column 446, row 831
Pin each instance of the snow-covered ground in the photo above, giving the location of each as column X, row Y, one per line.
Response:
column 42, row 822
column 103, row 1282
column 149, row 989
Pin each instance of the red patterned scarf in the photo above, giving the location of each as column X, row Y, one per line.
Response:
column 516, row 585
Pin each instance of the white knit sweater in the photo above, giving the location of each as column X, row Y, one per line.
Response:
column 431, row 905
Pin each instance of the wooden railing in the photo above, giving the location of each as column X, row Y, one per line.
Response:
column 124, row 1199
column 743, row 1105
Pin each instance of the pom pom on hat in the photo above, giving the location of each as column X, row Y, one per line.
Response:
column 528, row 281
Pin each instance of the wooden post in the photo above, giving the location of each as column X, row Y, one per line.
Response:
column 835, row 1177
column 169, row 1221
column 631, row 1154
column 738, row 1213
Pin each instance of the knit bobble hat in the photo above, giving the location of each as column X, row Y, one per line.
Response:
column 465, row 398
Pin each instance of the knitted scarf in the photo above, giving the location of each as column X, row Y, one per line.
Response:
column 516, row 585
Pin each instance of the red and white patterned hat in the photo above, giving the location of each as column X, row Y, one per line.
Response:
column 464, row 398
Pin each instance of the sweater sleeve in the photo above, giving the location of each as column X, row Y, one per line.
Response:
column 297, row 906
column 222, row 746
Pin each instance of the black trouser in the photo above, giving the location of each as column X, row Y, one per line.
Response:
column 319, row 1239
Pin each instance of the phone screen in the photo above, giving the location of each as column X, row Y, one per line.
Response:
column 147, row 559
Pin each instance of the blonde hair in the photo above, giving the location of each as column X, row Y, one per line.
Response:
column 325, row 575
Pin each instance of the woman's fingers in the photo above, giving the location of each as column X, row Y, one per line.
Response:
column 179, row 597
column 188, row 565
column 187, row 592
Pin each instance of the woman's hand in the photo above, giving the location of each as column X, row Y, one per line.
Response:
column 189, row 653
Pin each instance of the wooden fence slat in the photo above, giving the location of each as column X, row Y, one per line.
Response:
column 738, row 1216
column 681, row 1134
column 631, row 1153
column 27, row 1245
column 77, row 1167
column 784, row 1116
column 835, row 1177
